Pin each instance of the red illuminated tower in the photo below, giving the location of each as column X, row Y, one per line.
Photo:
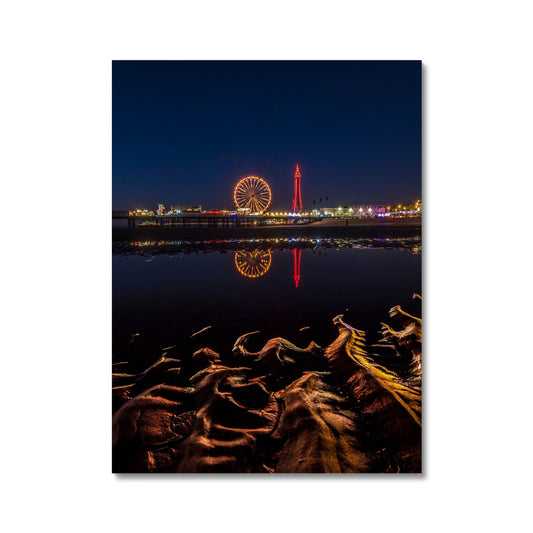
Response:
column 297, row 198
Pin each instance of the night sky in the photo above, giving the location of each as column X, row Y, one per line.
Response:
column 185, row 132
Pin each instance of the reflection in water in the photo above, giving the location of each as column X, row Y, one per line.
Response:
column 253, row 257
column 254, row 263
column 168, row 290
column 411, row 244
column 296, row 256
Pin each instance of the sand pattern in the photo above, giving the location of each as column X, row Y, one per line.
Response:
column 284, row 409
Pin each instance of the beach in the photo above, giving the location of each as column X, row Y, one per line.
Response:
column 325, row 228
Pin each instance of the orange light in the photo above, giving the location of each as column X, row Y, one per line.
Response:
column 252, row 193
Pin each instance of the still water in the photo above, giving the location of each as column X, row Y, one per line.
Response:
column 292, row 293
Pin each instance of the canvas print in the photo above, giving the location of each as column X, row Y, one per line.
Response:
column 267, row 267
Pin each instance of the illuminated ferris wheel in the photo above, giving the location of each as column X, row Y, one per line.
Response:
column 253, row 194
column 253, row 264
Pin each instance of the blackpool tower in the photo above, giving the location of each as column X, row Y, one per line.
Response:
column 297, row 198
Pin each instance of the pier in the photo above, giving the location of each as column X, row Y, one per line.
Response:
column 207, row 220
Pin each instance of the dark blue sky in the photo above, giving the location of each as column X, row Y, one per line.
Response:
column 184, row 132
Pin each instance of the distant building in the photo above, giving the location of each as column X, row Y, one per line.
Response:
column 141, row 213
column 409, row 210
column 160, row 209
column 357, row 211
column 179, row 209
column 370, row 210
column 332, row 211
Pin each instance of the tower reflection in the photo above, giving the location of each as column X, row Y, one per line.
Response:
column 254, row 263
column 296, row 256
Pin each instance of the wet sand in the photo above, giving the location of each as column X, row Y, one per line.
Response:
column 406, row 227
column 345, row 408
column 283, row 409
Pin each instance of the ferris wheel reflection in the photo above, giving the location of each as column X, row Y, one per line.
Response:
column 256, row 263
column 253, row 263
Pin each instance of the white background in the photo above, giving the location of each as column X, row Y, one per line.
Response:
column 56, row 282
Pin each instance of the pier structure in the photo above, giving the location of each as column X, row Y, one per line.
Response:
column 203, row 219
